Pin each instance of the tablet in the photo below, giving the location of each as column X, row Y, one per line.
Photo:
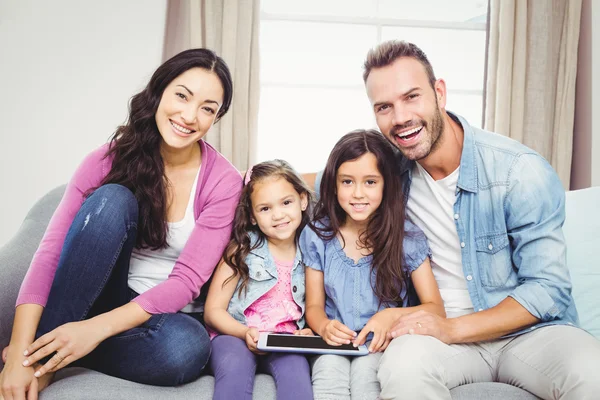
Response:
column 280, row 342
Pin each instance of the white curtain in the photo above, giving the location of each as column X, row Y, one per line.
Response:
column 230, row 28
column 532, row 66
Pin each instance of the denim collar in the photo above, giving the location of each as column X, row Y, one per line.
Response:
column 467, row 175
column 262, row 251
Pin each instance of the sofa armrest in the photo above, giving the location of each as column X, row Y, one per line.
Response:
column 16, row 255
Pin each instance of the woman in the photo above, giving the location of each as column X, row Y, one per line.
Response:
column 141, row 226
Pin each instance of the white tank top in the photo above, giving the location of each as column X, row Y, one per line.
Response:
column 431, row 207
column 148, row 268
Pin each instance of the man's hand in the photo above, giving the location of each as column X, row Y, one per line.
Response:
column 69, row 342
column 423, row 323
column 252, row 339
column 335, row 333
column 380, row 324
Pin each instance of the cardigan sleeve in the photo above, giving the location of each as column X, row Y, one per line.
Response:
column 38, row 280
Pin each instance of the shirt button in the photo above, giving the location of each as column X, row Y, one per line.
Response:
column 456, row 216
column 294, row 289
column 258, row 274
column 462, row 244
column 469, row 278
column 490, row 246
column 481, row 309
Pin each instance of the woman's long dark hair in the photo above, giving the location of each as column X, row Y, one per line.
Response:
column 240, row 246
column 135, row 146
column 385, row 228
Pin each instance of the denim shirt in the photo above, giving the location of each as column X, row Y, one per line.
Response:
column 509, row 213
column 349, row 285
column 262, row 273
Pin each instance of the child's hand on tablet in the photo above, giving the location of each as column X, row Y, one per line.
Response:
column 380, row 324
column 335, row 333
column 252, row 340
column 304, row 332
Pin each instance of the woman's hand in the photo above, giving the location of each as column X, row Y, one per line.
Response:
column 380, row 324
column 335, row 333
column 16, row 381
column 304, row 332
column 69, row 342
column 252, row 340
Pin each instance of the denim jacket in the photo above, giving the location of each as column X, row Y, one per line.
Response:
column 509, row 213
column 262, row 273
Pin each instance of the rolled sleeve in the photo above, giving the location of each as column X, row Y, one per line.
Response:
column 535, row 213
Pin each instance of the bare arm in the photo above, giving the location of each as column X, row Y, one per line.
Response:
column 215, row 309
column 315, row 301
column 428, row 292
column 332, row 331
column 381, row 323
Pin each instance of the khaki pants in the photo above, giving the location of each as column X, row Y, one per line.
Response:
column 552, row 362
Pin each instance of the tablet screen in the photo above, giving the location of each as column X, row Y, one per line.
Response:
column 304, row 342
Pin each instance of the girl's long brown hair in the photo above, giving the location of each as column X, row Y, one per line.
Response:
column 239, row 245
column 385, row 227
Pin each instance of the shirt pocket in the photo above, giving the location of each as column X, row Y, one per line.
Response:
column 259, row 274
column 493, row 259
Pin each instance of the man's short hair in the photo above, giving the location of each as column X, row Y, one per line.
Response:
column 386, row 53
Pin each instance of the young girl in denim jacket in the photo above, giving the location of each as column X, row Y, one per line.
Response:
column 260, row 286
column 362, row 252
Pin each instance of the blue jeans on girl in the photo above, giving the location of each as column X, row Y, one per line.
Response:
column 91, row 278
column 234, row 368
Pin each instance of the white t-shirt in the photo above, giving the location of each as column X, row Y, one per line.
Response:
column 148, row 268
column 431, row 207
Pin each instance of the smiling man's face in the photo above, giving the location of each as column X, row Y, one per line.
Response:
column 406, row 107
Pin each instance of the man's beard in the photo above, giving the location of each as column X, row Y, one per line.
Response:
column 434, row 129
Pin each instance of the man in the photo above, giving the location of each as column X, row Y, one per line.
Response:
column 493, row 212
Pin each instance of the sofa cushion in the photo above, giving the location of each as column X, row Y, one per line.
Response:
column 582, row 232
column 83, row 384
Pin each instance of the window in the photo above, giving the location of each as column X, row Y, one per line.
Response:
column 312, row 54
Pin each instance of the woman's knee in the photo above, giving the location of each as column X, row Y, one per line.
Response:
column 184, row 347
column 114, row 200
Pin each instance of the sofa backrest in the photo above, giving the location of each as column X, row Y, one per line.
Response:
column 582, row 232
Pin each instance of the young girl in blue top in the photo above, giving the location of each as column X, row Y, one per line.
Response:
column 259, row 286
column 362, row 252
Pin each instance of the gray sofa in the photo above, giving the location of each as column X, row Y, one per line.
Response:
column 583, row 236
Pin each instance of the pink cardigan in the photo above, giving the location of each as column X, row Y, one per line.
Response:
column 217, row 195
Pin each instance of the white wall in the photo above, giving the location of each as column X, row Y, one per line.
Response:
column 67, row 71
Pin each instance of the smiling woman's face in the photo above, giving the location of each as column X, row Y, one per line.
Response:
column 188, row 107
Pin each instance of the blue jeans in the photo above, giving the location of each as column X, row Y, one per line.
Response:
column 91, row 278
column 234, row 367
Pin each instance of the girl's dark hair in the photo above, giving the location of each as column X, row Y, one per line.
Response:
column 239, row 245
column 135, row 147
column 385, row 227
